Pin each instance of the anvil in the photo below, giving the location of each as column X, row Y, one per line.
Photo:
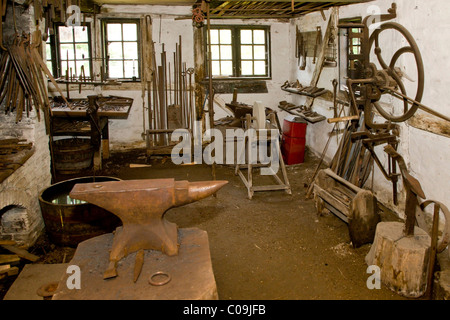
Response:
column 141, row 205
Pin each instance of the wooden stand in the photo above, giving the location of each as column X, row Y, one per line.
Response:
column 282, row 184
column 191, row 274
column 403, row 260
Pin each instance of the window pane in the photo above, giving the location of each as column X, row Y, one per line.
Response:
column 129, row 32
column 259, row 52
column 64, row 68
column 49, row 65
column 246, row 68
column 48, row 51
column 215, row 68
column 259, row 37
column 66, row 51
column 82, row 51
column 246, row 36
column 115, row 50
column 130, row 50
column 246, row 52
column 226, row 68
column 80, row 35
column 114, row 31
column 225, row 52
column 65, row 34
column 225, row 36
column 131, row 69
column 116, row 69
column 260, row 68
column 87, row 72
column 215, row 55
column 214, row 36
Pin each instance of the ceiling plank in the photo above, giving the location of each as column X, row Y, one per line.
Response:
column 316, row 1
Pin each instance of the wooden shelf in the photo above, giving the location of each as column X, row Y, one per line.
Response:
column 307, row 91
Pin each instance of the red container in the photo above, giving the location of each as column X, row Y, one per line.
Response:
column 293, row 141
column 295, row 128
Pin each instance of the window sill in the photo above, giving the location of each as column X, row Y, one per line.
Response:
column 227, row 85
column 73, row 86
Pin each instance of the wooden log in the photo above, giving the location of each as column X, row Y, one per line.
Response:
column 7, row 242
column 403, row 261
column 441, row 285
column 363, row 218
column 21, row 252
column 9, row 259
column 7, row 271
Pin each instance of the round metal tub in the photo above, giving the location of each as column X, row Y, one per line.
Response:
column 70, row 221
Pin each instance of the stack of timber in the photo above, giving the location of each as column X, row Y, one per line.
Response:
column 13, row 154
column 9, row 262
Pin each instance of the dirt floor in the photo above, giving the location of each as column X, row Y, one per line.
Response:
column 273, row 247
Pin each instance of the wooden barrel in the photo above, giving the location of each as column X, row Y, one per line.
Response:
column 70, row 221
column 72, row 155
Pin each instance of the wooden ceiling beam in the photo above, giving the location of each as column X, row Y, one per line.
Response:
column 316, row 1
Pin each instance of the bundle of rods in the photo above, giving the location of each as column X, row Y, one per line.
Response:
column 352, row 161
column 22, row 84
column 170, row 107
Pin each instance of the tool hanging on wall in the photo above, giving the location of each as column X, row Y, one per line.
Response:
column 318, row 40
column 300, row 50
column 332, row 25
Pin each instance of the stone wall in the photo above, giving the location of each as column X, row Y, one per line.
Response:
column 21, row 218
column 20, row 213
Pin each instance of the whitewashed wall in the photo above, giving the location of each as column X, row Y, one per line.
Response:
column 166, row 29
column 426, row 154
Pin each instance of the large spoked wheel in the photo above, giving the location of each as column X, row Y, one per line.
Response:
column 409, row 108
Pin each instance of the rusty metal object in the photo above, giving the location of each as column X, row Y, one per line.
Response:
column 141, row 205
column 70, row 222
column 413, row 190
column 437, row 245
column 355, row 206
column 47, row 290
column 166, row 279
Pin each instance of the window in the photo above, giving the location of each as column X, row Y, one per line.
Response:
column 350, row 55
column 240, row 51
column 74, row 51
column 121, row 49
column 49, row 55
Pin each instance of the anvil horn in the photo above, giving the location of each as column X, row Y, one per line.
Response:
column 141, row 205
column 188, row 192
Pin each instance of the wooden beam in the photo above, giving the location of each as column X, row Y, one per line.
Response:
column 314, row 1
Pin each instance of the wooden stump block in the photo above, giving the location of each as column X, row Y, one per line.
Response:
column 190, row 271
column 403, row 261
column 442, row 285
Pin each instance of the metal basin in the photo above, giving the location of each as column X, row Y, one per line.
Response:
column 70, row 221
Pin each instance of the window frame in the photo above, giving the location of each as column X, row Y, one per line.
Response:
column 55, row 47
column 236, row 51
column 104, row 23
column 345, row 46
